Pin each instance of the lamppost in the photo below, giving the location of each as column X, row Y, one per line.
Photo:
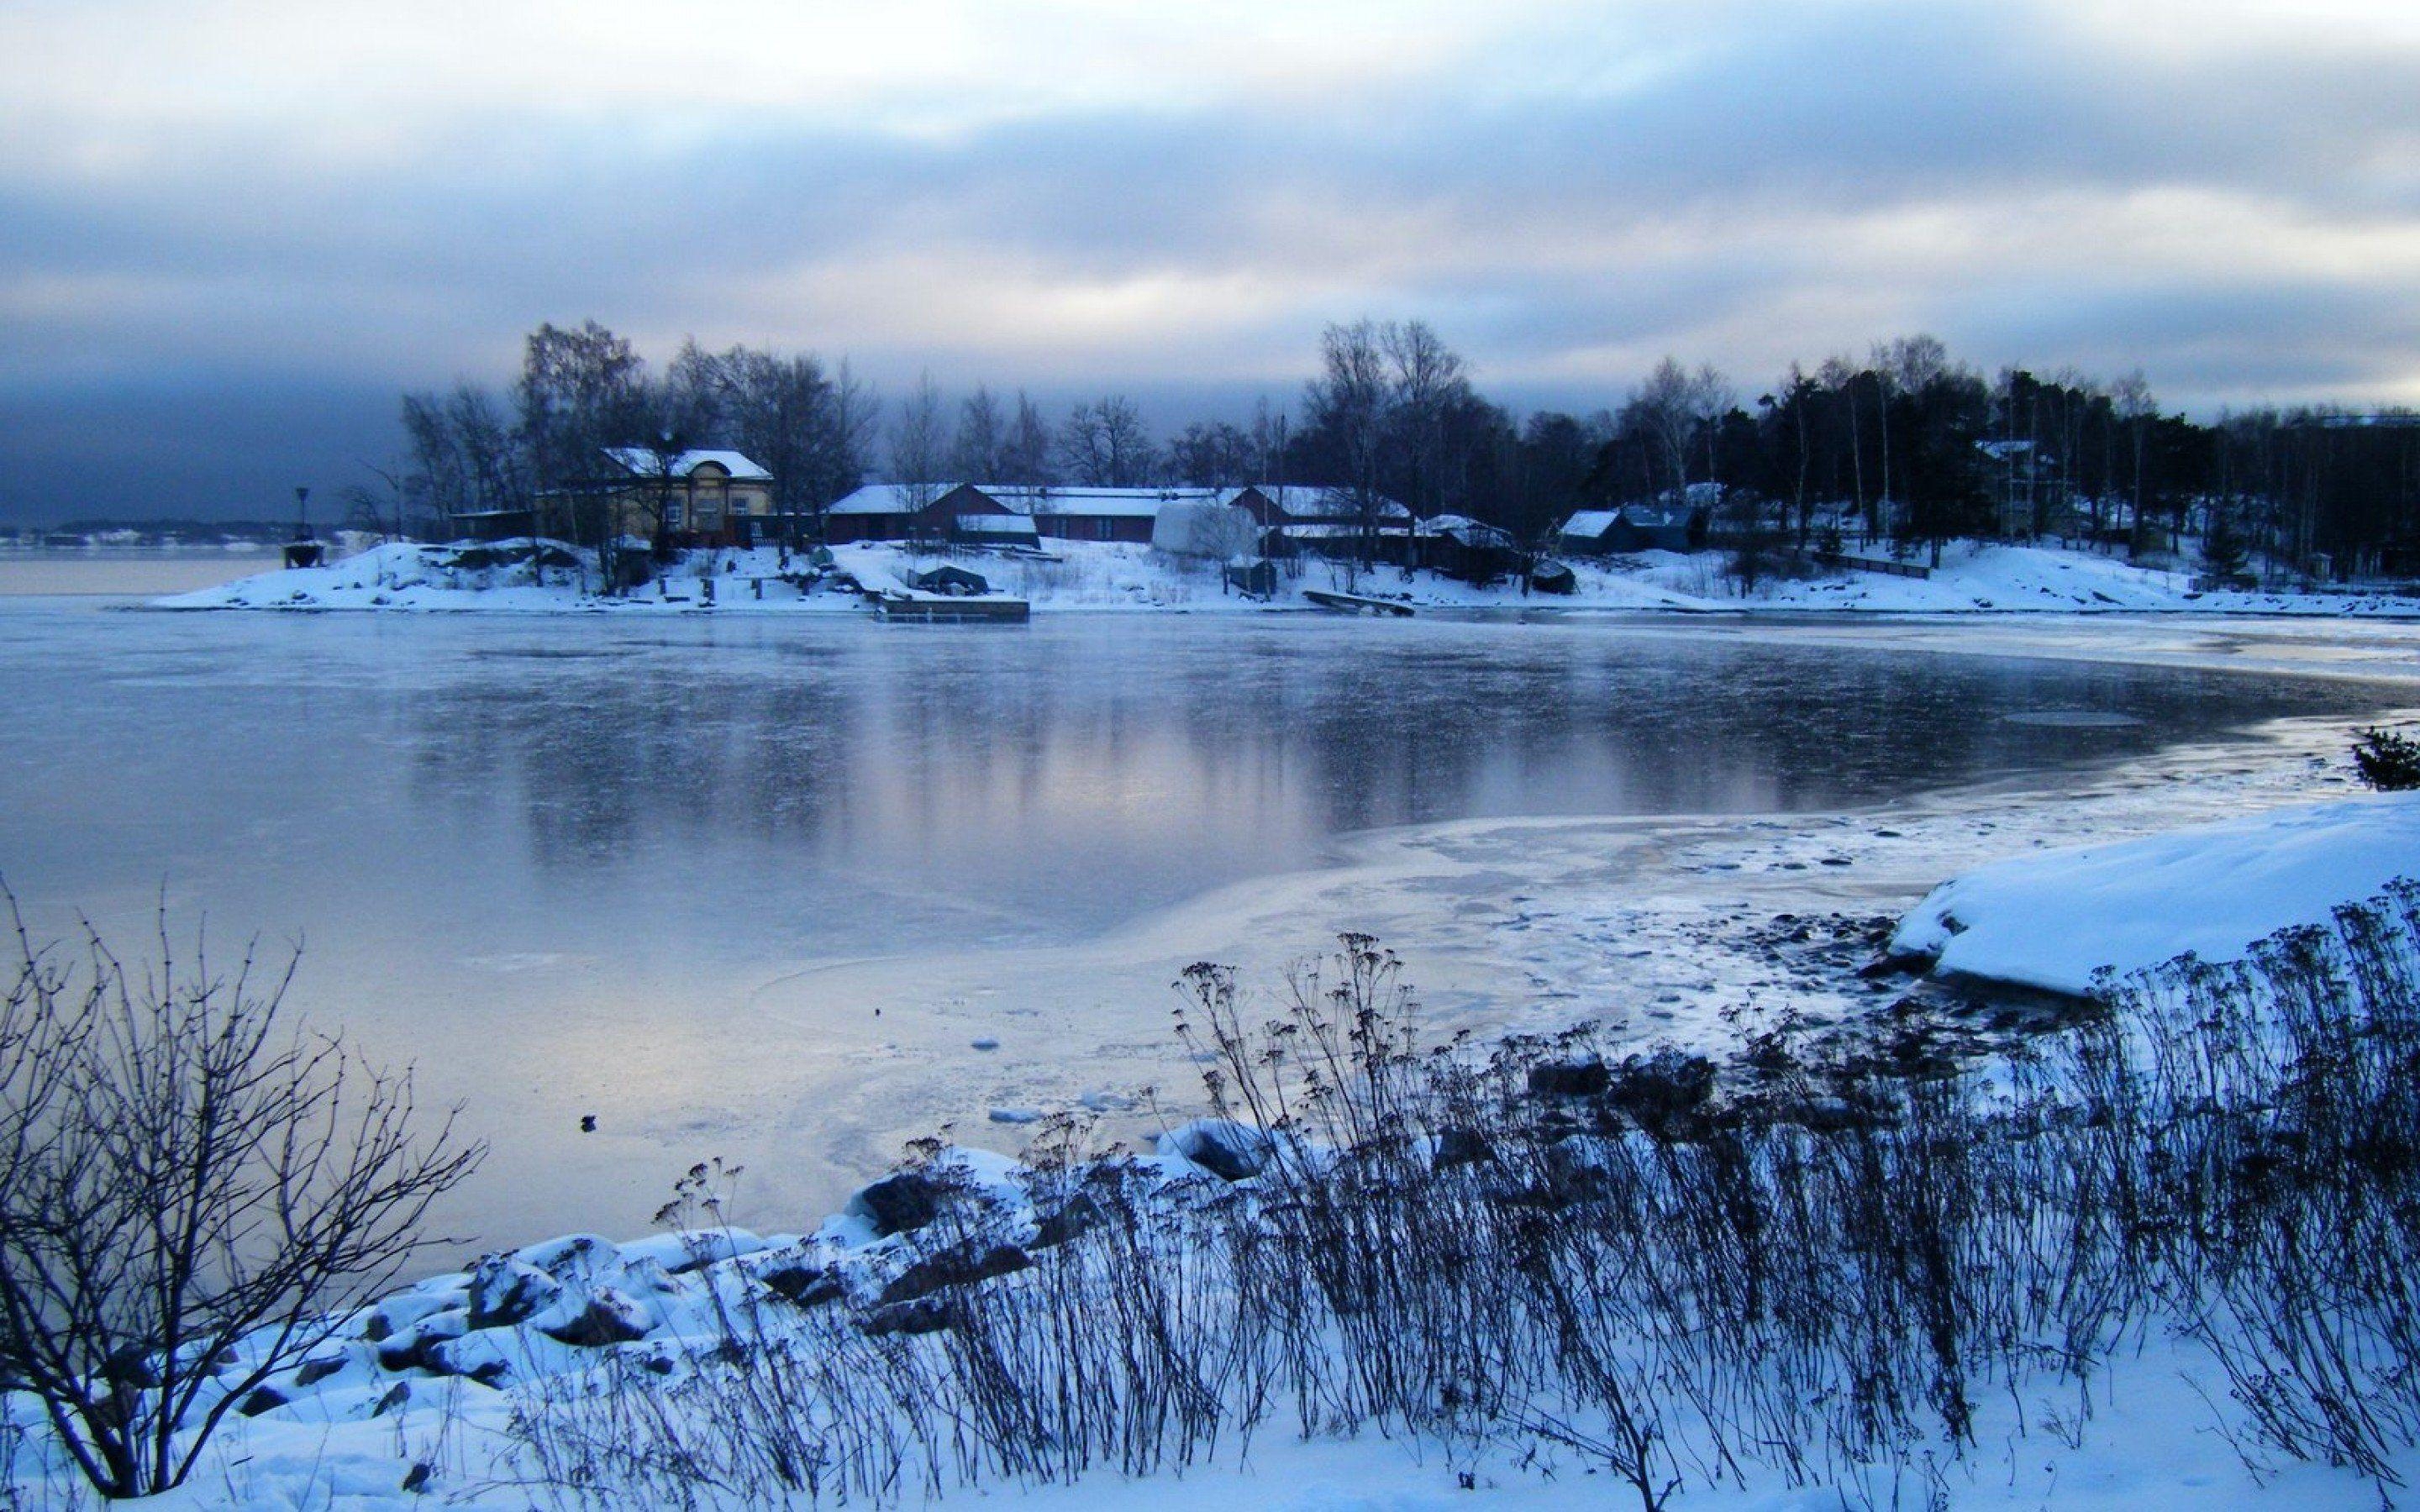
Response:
column 301, row 551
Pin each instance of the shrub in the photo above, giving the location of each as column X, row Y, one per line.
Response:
column 2388, row 761
column 190, row 1195
column 1816, row 1269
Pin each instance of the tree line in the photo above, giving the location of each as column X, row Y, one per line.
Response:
column 1905, row 449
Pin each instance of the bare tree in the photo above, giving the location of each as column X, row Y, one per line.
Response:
column 190, row 1194
column 917, row 444
column 1428, row 382
column 1665, row 408
column 1106, row 444
column 1349, row 403
column 1125, row 443
column 1214, row 456
column 1272, row 433
column 462, row 460
column 695, row 394
column 1711, row 398
column 982, row 437
column 2136, row 408
column 580, row 391
column 1024, row 453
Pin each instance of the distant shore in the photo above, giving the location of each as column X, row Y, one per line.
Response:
column 515, row 577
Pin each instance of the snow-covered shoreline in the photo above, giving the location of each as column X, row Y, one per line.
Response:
column 1098, row 578
column 352, row 1437
column 407, row 1379
column 2053, row 919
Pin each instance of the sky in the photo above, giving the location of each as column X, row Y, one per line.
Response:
column 232, row 234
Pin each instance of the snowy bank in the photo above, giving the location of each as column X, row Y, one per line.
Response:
column 1096, row 577
column 2051, row 920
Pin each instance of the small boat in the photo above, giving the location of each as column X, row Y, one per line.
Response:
column 1355, row 603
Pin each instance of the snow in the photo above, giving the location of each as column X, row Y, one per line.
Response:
column 1130, row 503
column 2051, row 920
column 641, row 460
column 1095, row 575
column 2045, row 920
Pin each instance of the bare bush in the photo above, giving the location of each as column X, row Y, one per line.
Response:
column 1806, row 1266
column 189, row 1193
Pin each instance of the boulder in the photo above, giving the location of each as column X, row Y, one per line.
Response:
column 1226, row 1150
column 610, row 1318
column 925, row 1315
column 1659, row 1091
column 809, row 1285
column 1576, row 1078
column 411, row 1349
column 506, row 1290
column 900, row 1203
column 1460, row 1147
column 957, row 1266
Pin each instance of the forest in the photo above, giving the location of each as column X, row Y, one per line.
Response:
column 1904, row 450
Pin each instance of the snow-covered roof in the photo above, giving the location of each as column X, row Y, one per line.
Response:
column 1591, row 522
column 1334, row 504
column 641, row 460
column 1332, row 530
column 1466, row 530
column 1656, row 517
column 889, row 499
column 1128, row 503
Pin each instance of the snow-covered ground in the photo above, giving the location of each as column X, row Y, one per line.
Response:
column 1670, row 923
column 1670, row 928
column 2050, row 920
column 1094, row 576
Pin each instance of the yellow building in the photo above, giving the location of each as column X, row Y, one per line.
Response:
column 703, row 498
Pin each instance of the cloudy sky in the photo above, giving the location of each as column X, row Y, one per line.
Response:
column 230, row 233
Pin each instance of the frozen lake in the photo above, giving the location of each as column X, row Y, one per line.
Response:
column 667, row 873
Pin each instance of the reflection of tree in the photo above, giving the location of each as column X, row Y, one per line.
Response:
column 1120, row 764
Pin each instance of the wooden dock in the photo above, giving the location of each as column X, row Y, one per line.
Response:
column 1355, row 603
column 1894, row 569
column 945, row 609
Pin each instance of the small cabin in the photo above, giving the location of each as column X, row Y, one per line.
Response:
column 1600, row 532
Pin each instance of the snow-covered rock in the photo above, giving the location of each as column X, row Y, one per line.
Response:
column 2051, row 920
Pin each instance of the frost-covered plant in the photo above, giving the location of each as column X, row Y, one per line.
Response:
column 1810, row 1263
column 191, row 1194
column 2388, row 761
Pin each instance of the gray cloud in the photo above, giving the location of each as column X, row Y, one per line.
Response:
column 1567, row 197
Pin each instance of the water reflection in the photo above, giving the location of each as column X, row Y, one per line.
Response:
column 1077, row 770
column 559, row 862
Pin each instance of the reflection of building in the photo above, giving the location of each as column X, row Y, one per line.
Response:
column 692, row 498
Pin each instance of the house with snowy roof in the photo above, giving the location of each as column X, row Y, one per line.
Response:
column 956, row 513
column 1596, row 533
column 1083, row 512
column 696, row 497
column 1322, row 520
